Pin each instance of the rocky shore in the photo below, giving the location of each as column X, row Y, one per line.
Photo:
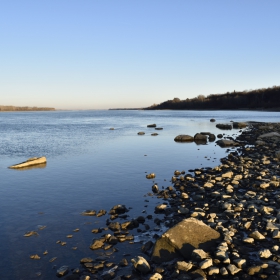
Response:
column 222, row 222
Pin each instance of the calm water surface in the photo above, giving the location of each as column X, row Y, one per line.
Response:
column 89, row 167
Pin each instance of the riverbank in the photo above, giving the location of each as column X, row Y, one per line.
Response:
column 238, row 199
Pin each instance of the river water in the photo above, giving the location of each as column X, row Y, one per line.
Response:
column 90, row 166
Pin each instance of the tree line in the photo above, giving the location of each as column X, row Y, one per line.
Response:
column 265, row 98
column 25, row 108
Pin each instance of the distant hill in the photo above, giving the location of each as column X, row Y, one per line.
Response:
column 265, row 98
column 25, row 108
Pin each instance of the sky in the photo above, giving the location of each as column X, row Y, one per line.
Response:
column 100, row 54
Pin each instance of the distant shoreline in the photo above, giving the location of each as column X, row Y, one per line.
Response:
column 24, row 109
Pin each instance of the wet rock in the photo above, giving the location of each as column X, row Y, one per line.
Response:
column 123, row 262
column 257, row 235
column 200, row 137
column 141, row 265
column 30, row 233
column 224, row 126
column 159, row 128
column 264, row 253
column 233, row 269
column 199, row 255
column 154, row 134
column 239, row 125
column 151, row 176
column 227, row 143
column 212, row 120
column 118, row 209
column 96, row 244
column 181, row 239
column 155, row 188
column 114, row 226
column 63, row 270
column 141, row 133
column 206, row 263
column 151, row 125
column 184, row 138
column 212, row 137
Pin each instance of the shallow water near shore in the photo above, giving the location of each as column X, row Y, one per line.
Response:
column 90, row 167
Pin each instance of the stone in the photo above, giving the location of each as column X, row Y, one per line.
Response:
column 239, row 125
column 155, row 188
column 212, row 137
column 154, row 134
column 183, row 138
column 233, row 269
column 227, row 143
column 200, row 137
column 253, row 270
column 152, row 125
column 63, row 270
column 141, row 133
column 199, row 254
column 96, row 244
column 141, row 265
column 206, row 263
column 30, row 162
column 224, row 126
column 156, row 276
column 118, row 209
column 257, row 235
column 269, row 135
column 264, row 253
column 213, row 270
column 89, row 213
column 212, row 120
column 182, row 239
column 183, row 266
column 151, row 176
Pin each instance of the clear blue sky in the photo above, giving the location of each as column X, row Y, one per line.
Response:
column 98, row 54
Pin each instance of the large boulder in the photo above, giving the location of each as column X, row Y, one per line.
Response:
column 224, row 126
column 183, row 138
column 30, row 162
column 180, row 240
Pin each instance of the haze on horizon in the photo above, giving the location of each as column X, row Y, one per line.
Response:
column 114, row 54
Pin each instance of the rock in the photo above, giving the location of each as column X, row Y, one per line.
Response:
column 269, row 135
column 151, row 176
column 141, row 265
column 212, row 120
column 220, row 135
column 224, row 126
column 118, row 209
column 62, row 271
column 30, row 162
column 277, row 154
column 151, row 125
column 239, row 125
column 233, row 269
column 158, row 128
column 160, row 208
column 264, row 253
column 227, row 143
column 200, row 137
column 154, row 134
column 155, row 188
column 111, row 128
column 257, row 235
column 115, row 226
column 89, row 213
column 212, row 137
column 96, row 244
column 183, row 266
column 182, row 239
column 183, row 138
column 155, row 276
column 253, row 270
column 206, row 263
column 141, row 133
